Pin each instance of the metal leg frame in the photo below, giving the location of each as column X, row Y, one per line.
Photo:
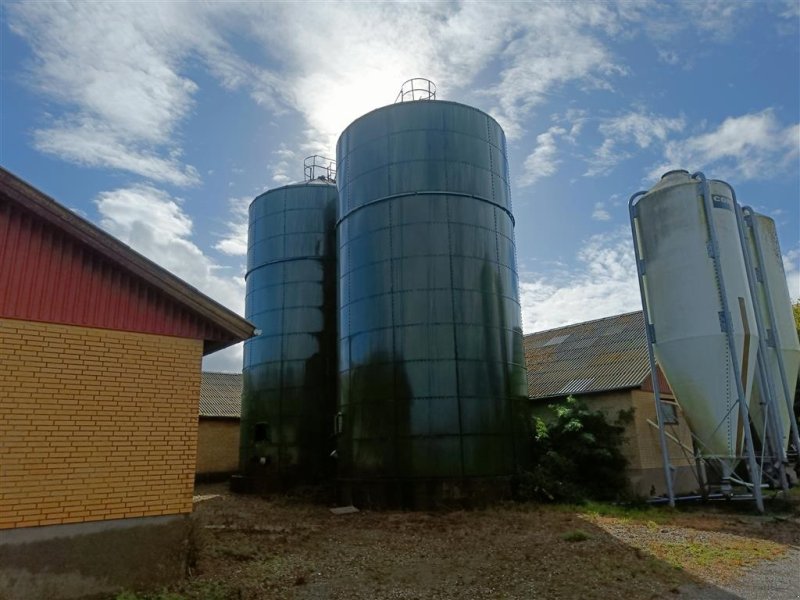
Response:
column 787, row 393
column 744, row 414
column 774, row 439
column 669, row 470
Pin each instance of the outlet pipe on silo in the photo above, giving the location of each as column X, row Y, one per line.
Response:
column 773, row 437
column 648, row 326
column 748, row 215
column 726, row 315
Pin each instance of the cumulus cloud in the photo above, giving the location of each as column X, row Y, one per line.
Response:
column 234, row 242
column 751, row 146
column 112, row 68
column 118, row 70
column 600, row 212
column 122, row 69
column 154, row 224
column 543, row 161
column 604, row 283
column 635, row 128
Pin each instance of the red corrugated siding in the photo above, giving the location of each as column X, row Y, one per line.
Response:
column 663, row 384
column 45, row 276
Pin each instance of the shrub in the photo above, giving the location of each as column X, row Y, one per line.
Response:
column 576, row 456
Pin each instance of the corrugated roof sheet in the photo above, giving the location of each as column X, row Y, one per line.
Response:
column 605, row 354
column 221, row 395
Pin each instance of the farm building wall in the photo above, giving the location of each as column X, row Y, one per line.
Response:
column 96, row 424
column 98, row 430
column 641, row 446
column 679, row 443
column 217, row 447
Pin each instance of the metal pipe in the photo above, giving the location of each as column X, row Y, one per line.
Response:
column 743, row 412
column 650, row 354
column 672, row 437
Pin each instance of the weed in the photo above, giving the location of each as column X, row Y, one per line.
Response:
column 575, row 536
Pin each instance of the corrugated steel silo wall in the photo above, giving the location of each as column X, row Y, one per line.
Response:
column 289, row 392
column 431, row 361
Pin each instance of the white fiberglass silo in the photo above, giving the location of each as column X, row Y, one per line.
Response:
column 782, row 356
column 695, row 291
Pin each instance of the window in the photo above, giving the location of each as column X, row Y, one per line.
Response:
column 261, row 432
column 670, row 412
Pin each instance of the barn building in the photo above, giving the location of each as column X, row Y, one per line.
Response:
column 218, row 425
column 604, row 362
column 100, row 358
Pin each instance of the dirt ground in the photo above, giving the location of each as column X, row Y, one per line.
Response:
column 253, row 548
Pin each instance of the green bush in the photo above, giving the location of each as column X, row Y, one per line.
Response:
column 576, row 456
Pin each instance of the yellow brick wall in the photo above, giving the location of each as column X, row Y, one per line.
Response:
column 647, row 435
column 610, row 404
column 95, row 424
column 217, row 446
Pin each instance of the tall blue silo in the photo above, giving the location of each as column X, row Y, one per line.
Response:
column 289, row 390
column 433, row 391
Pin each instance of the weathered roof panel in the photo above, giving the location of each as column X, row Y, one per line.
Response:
column 221, row 395
column 600, row 355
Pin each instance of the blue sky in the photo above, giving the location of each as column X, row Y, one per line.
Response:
column 161, row 121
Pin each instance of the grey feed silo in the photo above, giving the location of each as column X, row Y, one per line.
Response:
column 433, row 392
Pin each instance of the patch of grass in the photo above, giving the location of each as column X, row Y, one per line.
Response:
column 575, row 536
column 628, row 512
column 723, row 558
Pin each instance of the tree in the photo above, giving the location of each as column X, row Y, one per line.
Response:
column 577, row 456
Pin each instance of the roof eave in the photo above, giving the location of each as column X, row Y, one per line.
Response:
column 585, row 392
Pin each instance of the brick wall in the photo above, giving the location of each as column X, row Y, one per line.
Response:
column 647, row 435
column 95, row 424
column 217, row 446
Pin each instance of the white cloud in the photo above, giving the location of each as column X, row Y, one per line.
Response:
column 600, row 212
column 122, row 69
column 669, row 57
column 92, row 144
column 636, row 128
column 751, row 146
column 118, row 71
column 229, row 360
column 113, row 68
column 351, row 57
column 154, row 224
column 286, row 161
column 234, row 242
column 543, row 161
column 603, row 284
column 716, row 18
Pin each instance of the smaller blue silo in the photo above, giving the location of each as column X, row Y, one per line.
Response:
column 289, row 391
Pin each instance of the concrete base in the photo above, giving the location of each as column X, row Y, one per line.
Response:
column 96, row 559
column 650, row 482
column 424, row 494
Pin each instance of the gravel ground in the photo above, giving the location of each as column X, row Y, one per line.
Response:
column 769, row 580
column 251, row 548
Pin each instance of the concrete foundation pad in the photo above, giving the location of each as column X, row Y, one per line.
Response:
column 94, row 559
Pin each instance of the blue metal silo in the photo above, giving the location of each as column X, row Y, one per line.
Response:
column 432, row 376
column 289, row 392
